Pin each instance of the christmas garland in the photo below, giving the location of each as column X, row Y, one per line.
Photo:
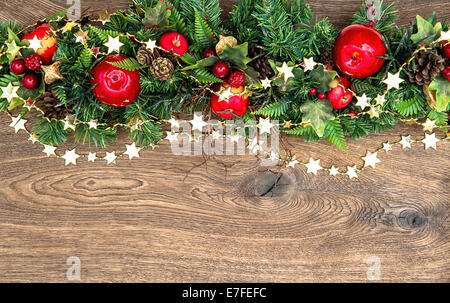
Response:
column 137, row 69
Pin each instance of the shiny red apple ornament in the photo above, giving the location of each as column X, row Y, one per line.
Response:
column 174, row 41
column 30, row 81
column 48, row 43
column 341, row 95
column 356, row 50
column 116, row 87
column 18, row 66
column 236, row 105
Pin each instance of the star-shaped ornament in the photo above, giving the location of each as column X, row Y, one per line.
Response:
column 265, row 126
column 371, row 159
column 387, row 146
column 110, row 158
column 9, row 92
column 293, row 162
column 309, row 64
column 287, row 124
column 69, row 125
column 445, row 36
column 71, row 157
column 33, row 138
column 374, row 112
column 150, row 44
column 49, row 150
column 82, row 36
column 406, row 142
column 18, row 123
column 313, row 166
column 225, row 94
column 266, row 83
column 113, row 44
column 334, row 171
column 92, row 124
column 174, row 123
column 104, row 17
column 12, row 49
column 69, row 26
column 393, row 81
column 172, row 137
column 286, row 71
column 234, row 138
column 362, row 101
column 429, row 125
column 35, row 43
column 52, row 72
column 198, row 123
column 352, row 172
column 381, row 99
column 92, row 157
column 430, row 141
column 132, row 151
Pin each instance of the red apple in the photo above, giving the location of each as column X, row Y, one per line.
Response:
column 48, row 43
column 116, row 87
column 174, row 41
column 356, row 50
column 446, row 48
column 341, row 95
column 236, row 105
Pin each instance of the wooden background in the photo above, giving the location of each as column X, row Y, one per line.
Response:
column 141, row 221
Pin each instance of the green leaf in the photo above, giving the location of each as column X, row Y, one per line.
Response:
column 318, row 114
column 207, row 62
column 441, row 88
column 426, row 32
column 236, row 55
column 157, row 16
column 322, row 78
column 129, row 64
column 273, row 110
column 204, row 76
column 203, row 33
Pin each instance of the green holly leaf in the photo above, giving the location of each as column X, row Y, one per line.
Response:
column 322, row 78
column 440, row 87
column 157, row 16
column 236, row 55
column 426, row 32
column 318, row 113
column 207, row 62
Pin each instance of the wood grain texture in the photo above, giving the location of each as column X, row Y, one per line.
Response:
column 141, row 221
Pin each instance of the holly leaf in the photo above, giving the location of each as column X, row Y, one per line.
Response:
column 317, row 113
column 440, row 88
column 322, row 78
column 157, row 16
column 207, row 62
column 236, row 55
column 426, row 32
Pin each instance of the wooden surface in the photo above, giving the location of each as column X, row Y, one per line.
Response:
column 143, row 221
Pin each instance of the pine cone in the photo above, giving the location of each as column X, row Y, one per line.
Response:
column 425, row 67
column 52, row 108
column 162, row 69
column 261, row 64
column 144, row 56
column 326, row 57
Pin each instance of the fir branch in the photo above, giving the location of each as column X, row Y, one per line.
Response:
column 129, row 64
column 50, row 132
column 334, row 133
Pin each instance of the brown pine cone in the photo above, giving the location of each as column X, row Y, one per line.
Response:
column 261, row 64
column 162, row 69
column 326, row 57
column 52, row 108
column 144, row 56
column 424, row 67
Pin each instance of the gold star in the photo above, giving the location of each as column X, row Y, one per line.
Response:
column 92, row 157
column 411, row 121
column 429, row 125
column 69, row 25
column 13, row 49
column 287, row 124
column 9, row 92
column 293, row 162
column 104, row 17
column 373, row 112
column 309, row 64
column 82, row 36
column 362, row 101
column 52, row 73
column 286, row 71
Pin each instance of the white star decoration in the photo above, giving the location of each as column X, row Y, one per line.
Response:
column 380, row 100
column 9, row 92
column 265, row 126
column 132, row 151
column 92, row 157
column 387, row 146
column 393, row 81
column 309, row 64
column 172, row 137
column 371, row 159
column 225, row 94
column 92, row 124
column 430, row 141
column 33, row 138
column 68, row 125
column 352, row 172
column 234, row 138
column 334, row 171
column 406, row 142
column 18, row 123
column 198, row 123
column 429, row 125
column 286, row 71
column 293, row 162
column 110, row 158
column 174, row 123
column 35, row 44
column 362, row 101
column 49, row 150
column 313, row 166
column 151, row 44
column 266, row 83
column 70, row 157
column 445, row 35
column 113, row 44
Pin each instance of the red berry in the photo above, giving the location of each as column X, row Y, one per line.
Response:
column 33, row 62
column 30, row 81
column 446, row 49
column 18, row 66
column 209, row 52
column 237, row 79
column 446, row 73
column 313, row 91
column 221, row 69
column 322, row 96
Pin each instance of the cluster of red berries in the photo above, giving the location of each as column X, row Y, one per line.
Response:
column 221, row 70
column 321, row 96
column 32, row 62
